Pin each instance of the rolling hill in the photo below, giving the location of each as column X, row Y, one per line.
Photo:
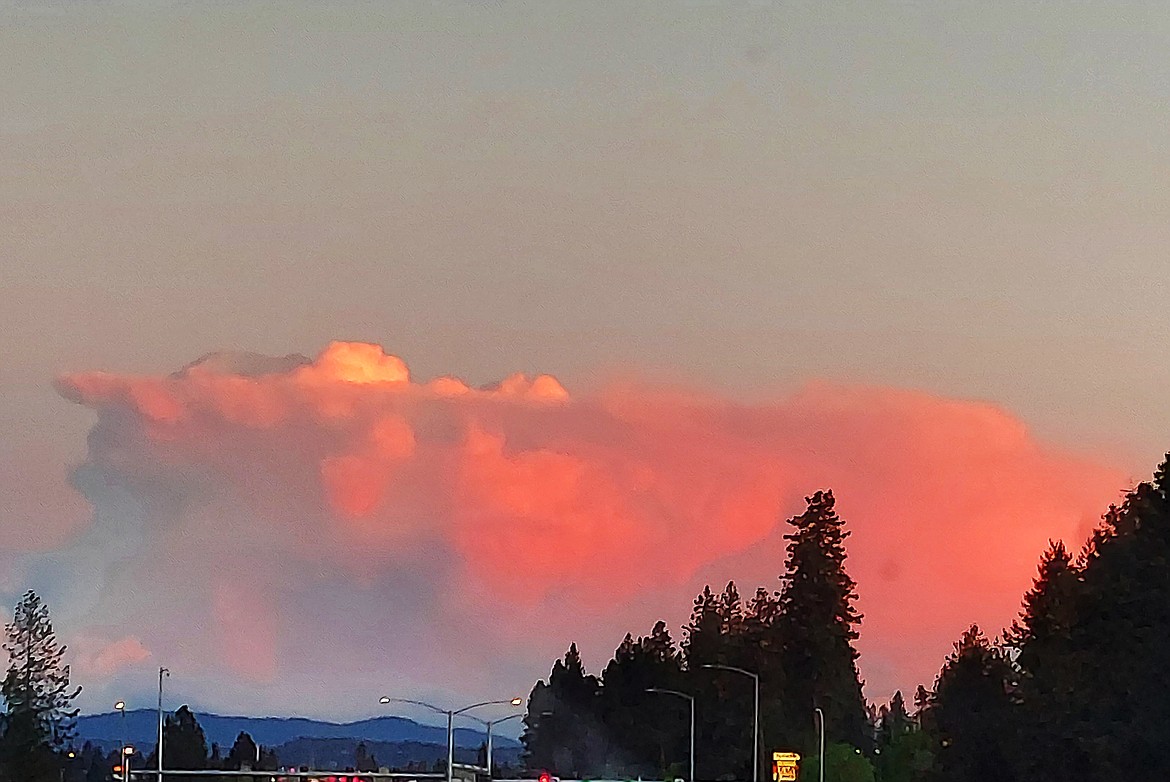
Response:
column 141, row 729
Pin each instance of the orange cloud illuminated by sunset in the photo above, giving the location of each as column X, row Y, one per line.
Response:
column 580, row 512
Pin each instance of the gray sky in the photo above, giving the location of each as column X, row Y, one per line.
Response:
column 964, row 198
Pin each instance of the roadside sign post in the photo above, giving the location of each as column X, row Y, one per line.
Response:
column 785, row 766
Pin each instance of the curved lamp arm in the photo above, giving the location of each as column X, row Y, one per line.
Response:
column 671, row 692
column 732, row 668
column 510, row 702
column 387, row 699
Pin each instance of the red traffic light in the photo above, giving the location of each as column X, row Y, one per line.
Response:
column 545, row 777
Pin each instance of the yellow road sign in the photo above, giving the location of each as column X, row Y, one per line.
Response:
column 784, row 766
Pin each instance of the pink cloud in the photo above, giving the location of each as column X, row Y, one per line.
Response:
column 282, row 489
column 100, row 658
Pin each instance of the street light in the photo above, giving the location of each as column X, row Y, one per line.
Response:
column 127, row 751
column 120, row 706
column 755, row 716
column 488, row 725
column 690, row 698
column 450, row 720
column 821, row 765
column 161, row 673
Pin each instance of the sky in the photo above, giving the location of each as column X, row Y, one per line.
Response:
column 691, row 262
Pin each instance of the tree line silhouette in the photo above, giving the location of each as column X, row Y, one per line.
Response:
column 1078, row 687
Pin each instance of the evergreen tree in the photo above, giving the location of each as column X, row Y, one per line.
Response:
column 38, row 720
column 269, row 760
column 576, row 693
column 922, row 698
column 702, row 637
column 764, row 655
column 1119, row 706
column 893, row 721
column 761, row 636
column 539, row 726
column 903, row 751
column 663, row 664
column 971, row 712
column 818, row 624
column 1046, row 665
column 624, row 706
column 563, row 733
column 731, row 614
column 243, row 753
column 184, row 744
column 717, row 635
column 644, row 731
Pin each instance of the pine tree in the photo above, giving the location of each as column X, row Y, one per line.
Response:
column 624, row 704
column 663, row 663
column 184, row 744
column 764, row 655
column 761, row 636
column 922, row 698
column 818, row 624
column 644, row 731
column 563, row 732
column 39, row 718
column 1119, row 711
column 702, row 641
column 717, row 635
column 1046, row 665
column 971, row 712
column 731, row 614
column 894, row 720
column 576, row 693
column 539, row 727
column 903, row 750
column 243, row 753
column 269, row 760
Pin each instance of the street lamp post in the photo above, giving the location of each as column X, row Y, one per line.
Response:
column 755, row 716
column 161, row 673
column 690, row 698
column 120, row 706
column 821, row 764
column 127, row 752
column 488, row 726
column 450, row 720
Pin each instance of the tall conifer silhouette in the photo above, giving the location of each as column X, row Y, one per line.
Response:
column 818, row 624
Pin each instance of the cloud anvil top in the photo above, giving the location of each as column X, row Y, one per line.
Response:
column 307, row 489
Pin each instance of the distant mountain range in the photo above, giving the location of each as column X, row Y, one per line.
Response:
column 327, row 754
column 141, row 730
